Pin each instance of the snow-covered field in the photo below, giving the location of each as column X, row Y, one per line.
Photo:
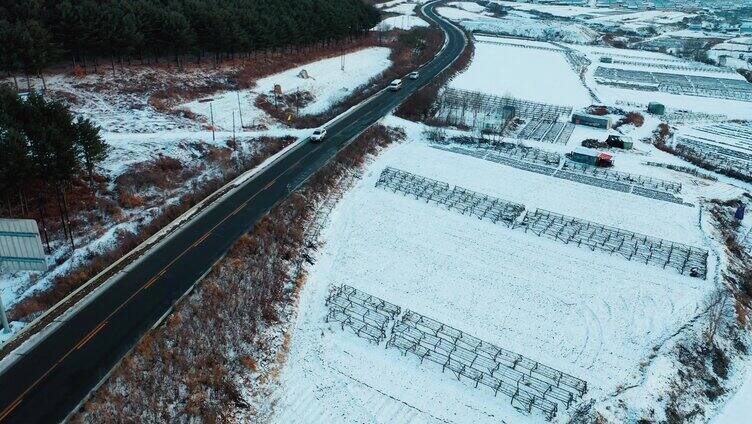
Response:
column 405, row 22
column 563, row 11
column 592, row 315
column 640, row 20
column 523, row 73
column 732, row 136
column 468, row 5
column 406, row 18
column 519, row 23
column 606, row 320
column 737, row 409
column 327, row 82
column 658, row 62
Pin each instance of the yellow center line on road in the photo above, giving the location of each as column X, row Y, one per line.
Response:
column 90, row 336
column 10, row 408
column 81, row 343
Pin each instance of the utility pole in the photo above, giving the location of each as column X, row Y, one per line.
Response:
column 3, row 317
column 211, row 114
column 240, row 110
column 233, row 125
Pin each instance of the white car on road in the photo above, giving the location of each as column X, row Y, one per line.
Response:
column 395, row 85
column 318, row 134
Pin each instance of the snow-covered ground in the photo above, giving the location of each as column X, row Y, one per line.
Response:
column 639, row 20
column 137, row 132
column 327, row 82
column 600, row 318
column 592, row 315
column 524, row 73
column 663, row 63
column 737, row 409
column 519, row 23
column 404, row 22
column 468, row 5
column 732, row 136
column 563, row 11
column 406, row 18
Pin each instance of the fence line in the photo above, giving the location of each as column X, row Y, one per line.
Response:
column 688, row 260
column 638, row 185
column 528, row 383
column 453, row 197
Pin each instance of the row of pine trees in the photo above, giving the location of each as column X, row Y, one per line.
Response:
column 35, row 34
column 42, row 149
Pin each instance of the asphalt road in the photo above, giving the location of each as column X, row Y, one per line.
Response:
column 47, row 383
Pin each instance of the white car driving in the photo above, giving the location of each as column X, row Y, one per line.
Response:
column 318, row 134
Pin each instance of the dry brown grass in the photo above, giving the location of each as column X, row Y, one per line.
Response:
column 233, row 301
column 126, row 241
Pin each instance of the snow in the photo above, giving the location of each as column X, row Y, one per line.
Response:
column 139, row 133
column 732, row 109
column 458, row 14
column 523, row 73
column 327, row 82
column 129, row 149
column 523, row 24
column 123, row 112
column 404, row 9
column 662, row 17
column 406, row 18
column 556, row 10
column 737, row 409
column 468, row 5
column 733, row 136
column 392, row 3
column 652, row 62
column 404, row 22
column 589, row 314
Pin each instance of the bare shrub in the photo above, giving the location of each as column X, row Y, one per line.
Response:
column 598, row 110
column 633, row 118
column 720, row 362
column 62, row 286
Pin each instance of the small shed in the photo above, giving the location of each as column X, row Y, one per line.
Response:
column 604, row 159
column 739, row 215
column 584, row 155
column 620, row 142
column 656, row 108
column 592, row 120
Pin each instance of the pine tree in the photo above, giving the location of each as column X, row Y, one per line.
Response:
column 91, row 149
column 42, row 31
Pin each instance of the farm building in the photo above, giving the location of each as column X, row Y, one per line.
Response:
column 620, row 142
column 591, row 157
column 584, row 155
column 592, row 120
column 656, row 108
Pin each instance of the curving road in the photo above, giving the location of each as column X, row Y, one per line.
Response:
column 51, row 378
